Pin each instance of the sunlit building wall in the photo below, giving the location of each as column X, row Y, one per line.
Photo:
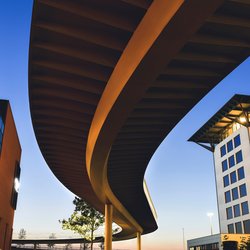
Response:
column 232, row 170
column 218, row 242
column 10, row 154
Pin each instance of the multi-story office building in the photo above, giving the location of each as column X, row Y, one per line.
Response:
column 232, row 171
column 10, row 154
column 226, row 135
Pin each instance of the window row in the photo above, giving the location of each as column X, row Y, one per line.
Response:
column 235, row 193
column 237, row 227
column 212, row 246
column 232, row 160
column 237, row 210
column 230, row 145
column 233, row 177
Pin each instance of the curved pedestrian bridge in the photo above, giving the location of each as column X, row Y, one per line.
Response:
column 108, row 80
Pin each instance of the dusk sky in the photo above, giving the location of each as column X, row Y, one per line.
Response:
column 180, row 175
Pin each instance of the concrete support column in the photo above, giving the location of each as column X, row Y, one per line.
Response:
column 108, row 226
column 138, row 241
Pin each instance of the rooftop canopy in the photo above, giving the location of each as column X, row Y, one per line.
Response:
column 235, row 111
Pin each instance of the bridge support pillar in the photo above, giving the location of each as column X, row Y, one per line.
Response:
column 138, row 241
column 108, row 226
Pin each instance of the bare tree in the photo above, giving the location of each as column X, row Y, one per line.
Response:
column 22, row 234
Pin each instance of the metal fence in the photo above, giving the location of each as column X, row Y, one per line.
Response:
column 44, row 247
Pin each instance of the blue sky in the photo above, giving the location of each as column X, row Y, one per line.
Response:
column 180, row 175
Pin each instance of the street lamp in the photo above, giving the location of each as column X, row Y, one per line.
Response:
column 210, row 215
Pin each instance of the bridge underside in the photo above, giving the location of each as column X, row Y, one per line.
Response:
column 108, row 82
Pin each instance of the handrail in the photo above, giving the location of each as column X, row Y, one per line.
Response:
column 150, row 202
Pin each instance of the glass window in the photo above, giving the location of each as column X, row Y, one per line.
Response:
column 229, row 211
column 235, row 194
column 241, row 173
column 230, row 228
column 230, row 146
column 1, row 140
column 236, row 210
column 233, row 177
column 1, row 124
column 227, row 197
column 243, row 190
column 238, row 228
column 223, row 150
column 244, row 208
column 224, row 165
column 239, row 157
column 246, row 224
column 237, row 141
column 231, row 161
column 1, row 132
column 226, row 180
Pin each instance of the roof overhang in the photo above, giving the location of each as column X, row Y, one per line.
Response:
column 236, row 110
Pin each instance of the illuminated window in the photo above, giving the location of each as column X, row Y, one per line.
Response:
column 224, row 165
column 227, row 197
column 241, row 173
column 236, row 210
column 243, row 190
column 238, row 228
column 223, row 150
column 236, row 126
column 231, row 161
column 239, row 157
column 226, row 180
column 237, row 141
column 16, row 185
column 244, row 208
column 233, row 177
column 230, row 146
column 235, row 194
column 229, row 211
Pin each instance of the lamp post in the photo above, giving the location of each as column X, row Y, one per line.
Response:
column 183, row 238
column 210, row 215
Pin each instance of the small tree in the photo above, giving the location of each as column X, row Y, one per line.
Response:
column 51, row 237
column 22, row 234
column 85, row 220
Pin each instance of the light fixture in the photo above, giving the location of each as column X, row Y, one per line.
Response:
column 243, row 119
column 16, row 184
column 210, row 215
